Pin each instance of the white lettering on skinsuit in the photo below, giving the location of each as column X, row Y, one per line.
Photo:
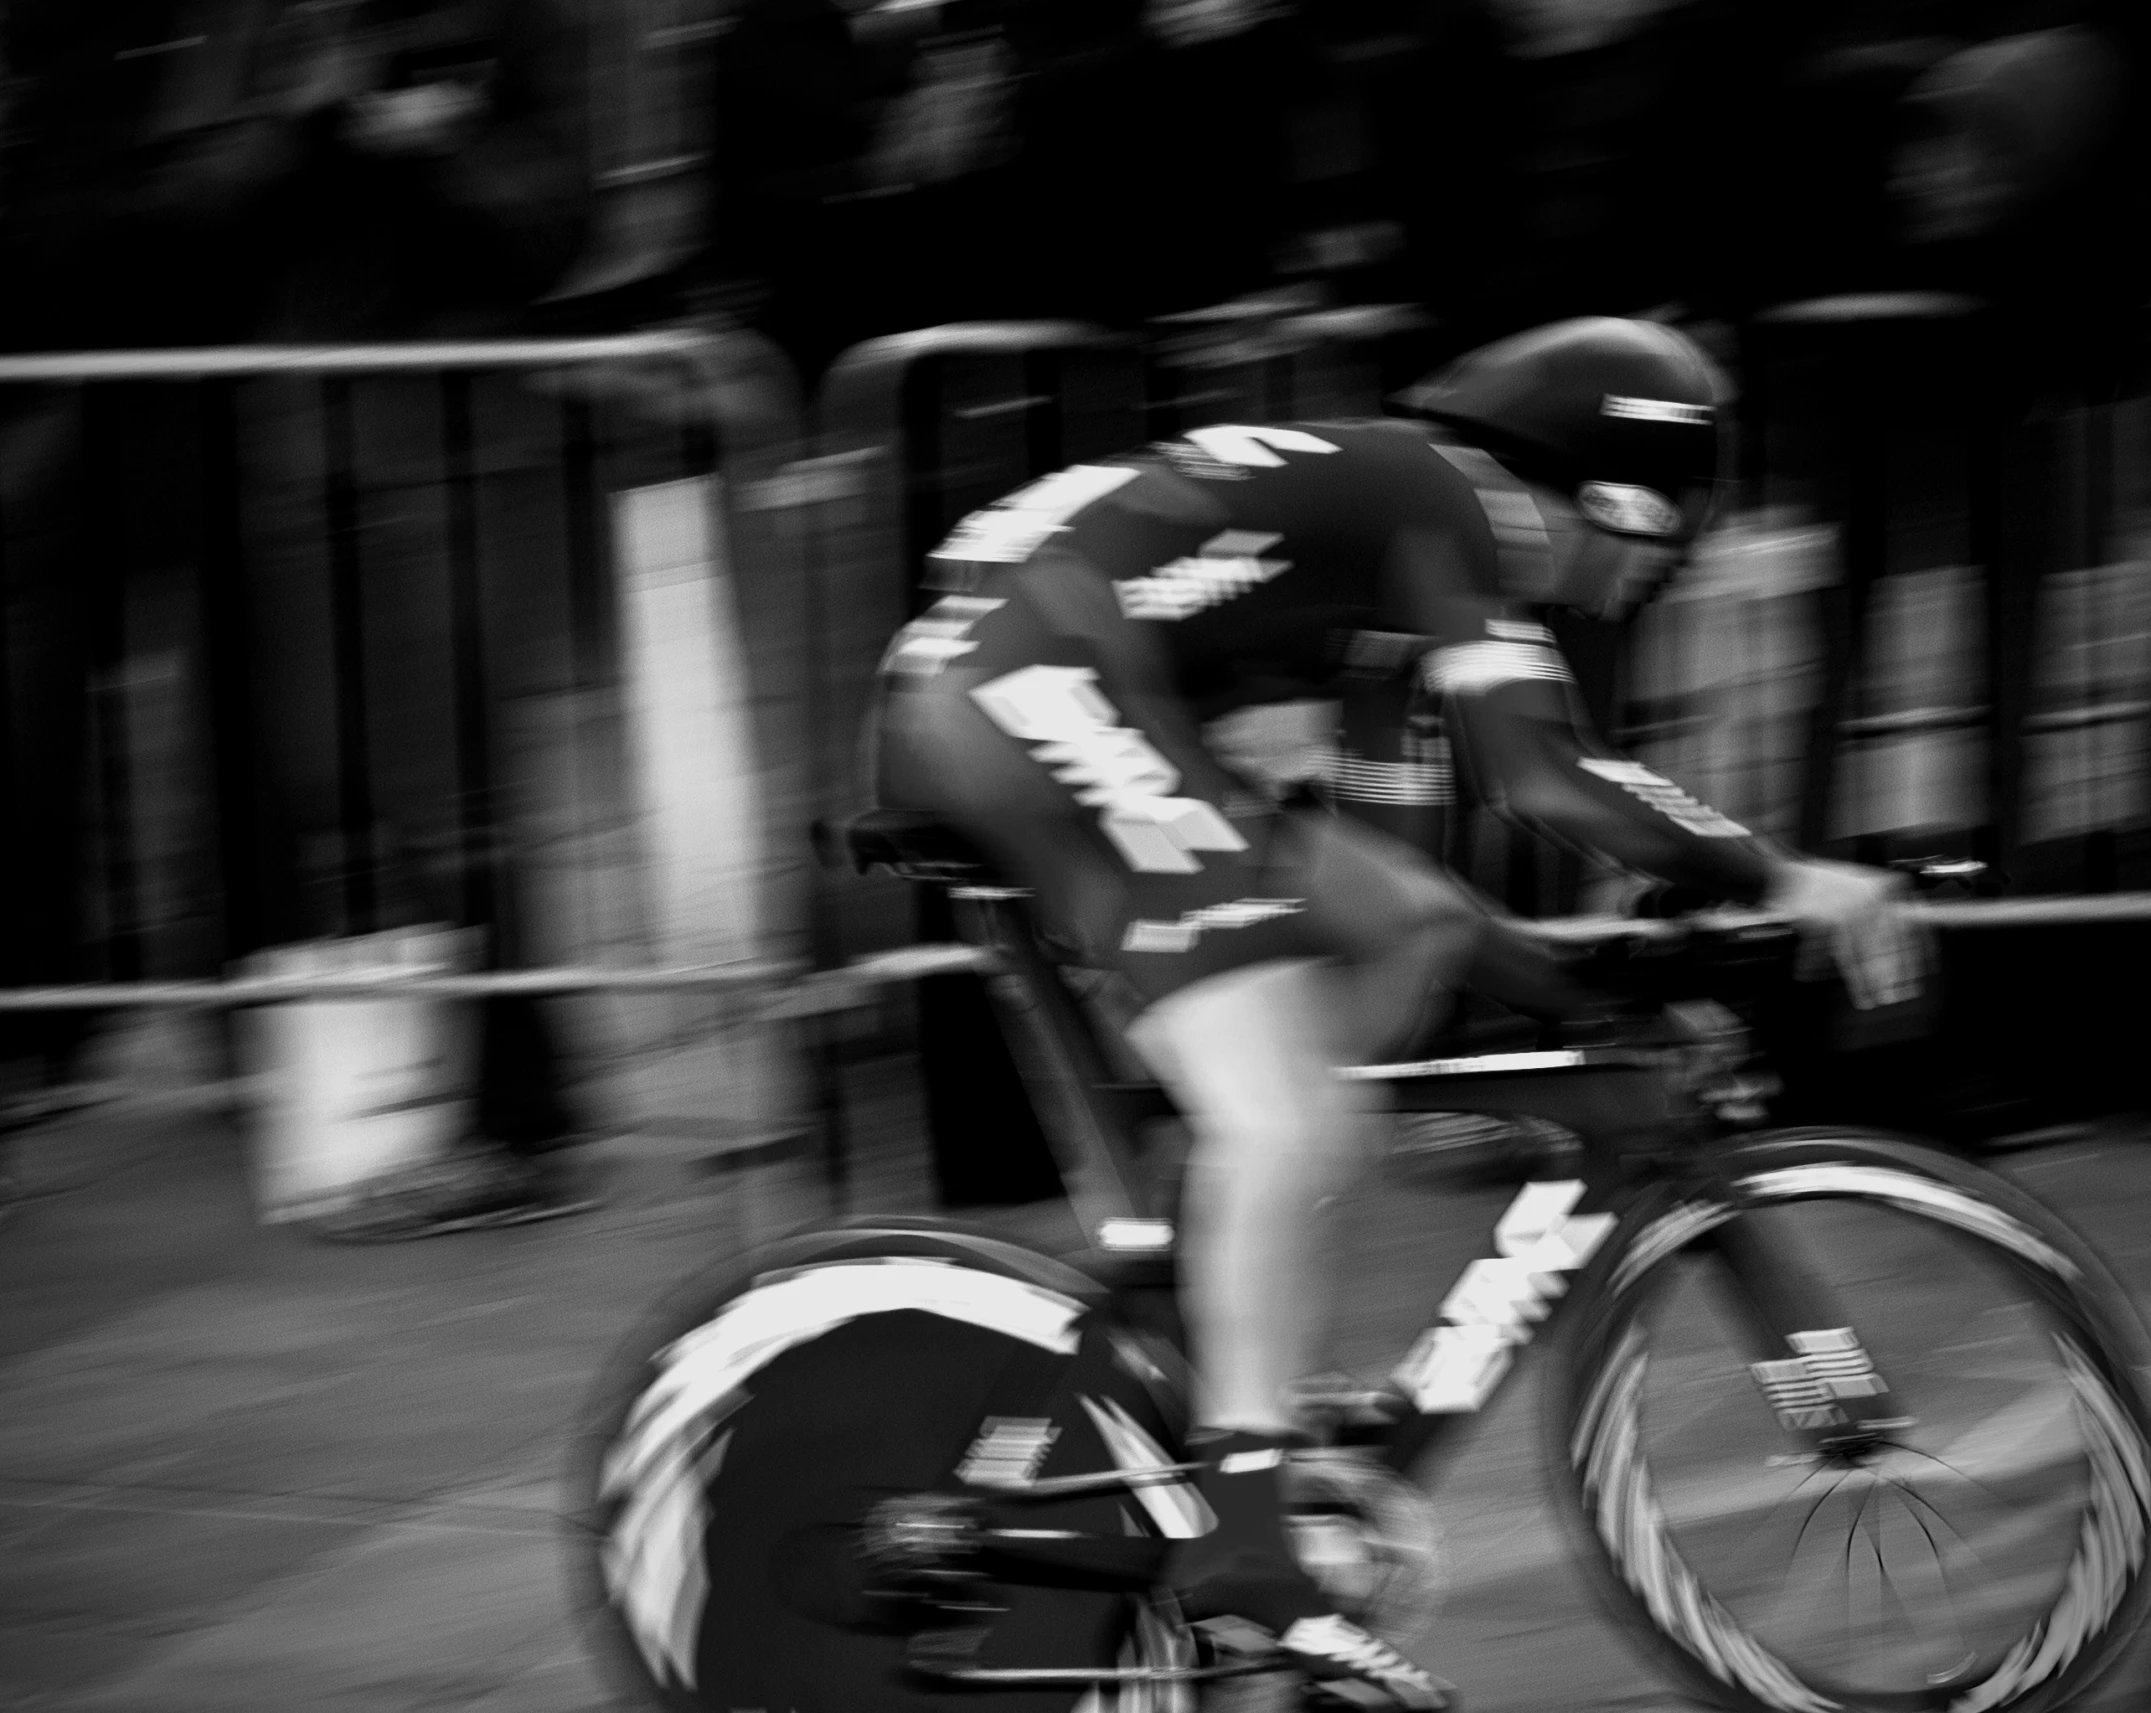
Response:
column 1226, row 565
column 1454, row 1366
column 1111, row 767
column 1235, row 443
column 1665, row 797
column 1012, row 529
column 1148, row 936
column 937, row 636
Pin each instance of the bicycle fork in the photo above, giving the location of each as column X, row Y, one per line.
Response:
column 1805, row 1352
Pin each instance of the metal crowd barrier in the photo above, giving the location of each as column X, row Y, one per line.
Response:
column 1877, row 657
column 1929, row 629
column 503, row 633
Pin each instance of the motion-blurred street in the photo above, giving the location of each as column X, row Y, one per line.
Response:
column 246, row 1470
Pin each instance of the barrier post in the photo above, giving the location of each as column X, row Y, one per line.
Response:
column 712, row 624
column 1875, row 431
column 402, row 599
column 346, row 1093
column 914, row 431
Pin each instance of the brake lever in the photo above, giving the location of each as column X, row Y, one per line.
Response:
column 1940, row 877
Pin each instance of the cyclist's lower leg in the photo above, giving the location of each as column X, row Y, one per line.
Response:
column 1249, row 1055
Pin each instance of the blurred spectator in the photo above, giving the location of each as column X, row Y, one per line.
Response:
column 287, row 168
column 394, row 168
column 895, row 166
column 83, row 81
column 1554, row 157
column 312, row 170
column 47, row 631
column 795, row 235
column 1822, row 86
column 1153, row 144
column 2019, row 177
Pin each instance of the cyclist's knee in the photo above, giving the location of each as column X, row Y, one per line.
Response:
column 1251, row 1051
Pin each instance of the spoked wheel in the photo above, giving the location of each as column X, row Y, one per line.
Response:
column 1981, row 1548
column 743, row 1436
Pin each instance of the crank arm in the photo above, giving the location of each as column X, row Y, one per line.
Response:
column 945, row 1655
column 948, row 1654
column 1074, row 1677
column 1077, row 1486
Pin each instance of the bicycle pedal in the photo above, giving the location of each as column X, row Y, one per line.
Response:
column 1327, row 1695
column 1235, row 1639
column 1336, row 1404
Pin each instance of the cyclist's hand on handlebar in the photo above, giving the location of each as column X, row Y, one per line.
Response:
column 1856, row 918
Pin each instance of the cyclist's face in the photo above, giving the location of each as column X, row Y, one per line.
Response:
column 1593, row 570
column 1610, row 576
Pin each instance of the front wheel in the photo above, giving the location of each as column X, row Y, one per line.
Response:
column 1982, row 1550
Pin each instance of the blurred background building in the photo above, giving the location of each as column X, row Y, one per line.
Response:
column 317, row 650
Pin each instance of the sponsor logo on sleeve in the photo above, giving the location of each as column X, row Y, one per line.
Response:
column 1226, row 565
column 1665, row 797
column 1075, row 733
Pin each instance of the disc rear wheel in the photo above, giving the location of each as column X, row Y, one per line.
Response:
column 733, row 1454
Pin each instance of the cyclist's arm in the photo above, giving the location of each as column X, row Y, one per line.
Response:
column 1519, row 729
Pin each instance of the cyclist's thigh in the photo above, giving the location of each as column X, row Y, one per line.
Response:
column 1404, row 934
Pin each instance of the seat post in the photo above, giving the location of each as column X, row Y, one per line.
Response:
column 1056, row 1048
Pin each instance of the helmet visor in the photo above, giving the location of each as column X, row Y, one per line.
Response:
column 1625, row 509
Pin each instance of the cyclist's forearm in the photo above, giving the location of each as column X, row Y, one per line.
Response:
column 1537, row 765
column 1662, row 832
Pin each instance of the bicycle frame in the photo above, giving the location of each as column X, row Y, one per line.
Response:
column 1639, row 1128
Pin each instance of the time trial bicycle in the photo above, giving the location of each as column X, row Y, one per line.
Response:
column 1837, row 1420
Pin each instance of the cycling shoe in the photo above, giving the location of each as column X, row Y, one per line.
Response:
column 1345, row 1665
column 1245, row 1572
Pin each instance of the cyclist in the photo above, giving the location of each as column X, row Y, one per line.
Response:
column 1052, row 705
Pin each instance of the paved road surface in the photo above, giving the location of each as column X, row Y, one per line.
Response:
column 240, row 1470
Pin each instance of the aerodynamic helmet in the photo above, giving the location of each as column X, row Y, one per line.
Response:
column 1623, row 415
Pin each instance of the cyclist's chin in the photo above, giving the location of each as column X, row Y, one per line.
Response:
column 1616, row 605
column 1640, row 572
